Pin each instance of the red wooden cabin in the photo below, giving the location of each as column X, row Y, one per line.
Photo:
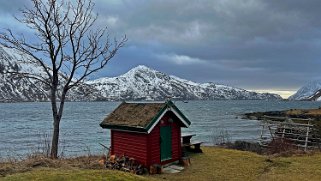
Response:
column 148, row 132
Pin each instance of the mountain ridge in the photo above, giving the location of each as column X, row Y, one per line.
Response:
column 139, row 83
column 142, row 82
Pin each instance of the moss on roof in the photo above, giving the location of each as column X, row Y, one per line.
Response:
column 133, row 114
column 139, row 116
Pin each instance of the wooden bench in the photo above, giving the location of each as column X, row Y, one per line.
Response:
column 195, row 144
column 186, row 138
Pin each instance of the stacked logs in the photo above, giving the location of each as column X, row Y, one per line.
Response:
column 124, row 163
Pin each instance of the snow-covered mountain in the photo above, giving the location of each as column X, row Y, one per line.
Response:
column 21, row 89
column 143, row 83
column 140, row 83
column 310, row 91
column 15, row 89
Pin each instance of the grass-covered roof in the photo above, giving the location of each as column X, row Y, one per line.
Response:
column 139, row 116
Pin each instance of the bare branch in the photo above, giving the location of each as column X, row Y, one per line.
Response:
column 27, row 75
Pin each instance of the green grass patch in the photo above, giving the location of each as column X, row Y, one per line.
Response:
column 306, row 167
column 221, row 164
column 73, row 174
column 225, row 164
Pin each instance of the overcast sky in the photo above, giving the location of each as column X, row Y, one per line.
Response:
column 253, row 44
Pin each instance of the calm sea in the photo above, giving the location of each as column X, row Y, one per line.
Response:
column 24, row 127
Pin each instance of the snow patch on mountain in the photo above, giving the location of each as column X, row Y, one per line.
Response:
column 308, row 91
column 16, row 89
column 144, row 83
column 21, row 89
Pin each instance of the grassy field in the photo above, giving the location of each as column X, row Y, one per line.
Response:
column 221, row 164
column 73, row 174
column 213, row 164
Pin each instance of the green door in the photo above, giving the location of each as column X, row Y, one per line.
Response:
column 166, row 142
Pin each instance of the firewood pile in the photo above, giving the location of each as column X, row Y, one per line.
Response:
column 124, row 163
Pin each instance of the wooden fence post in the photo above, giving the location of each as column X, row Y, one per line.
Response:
column 307, row 137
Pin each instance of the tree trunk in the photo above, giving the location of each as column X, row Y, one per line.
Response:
column 56, row 123
column 57, row 115
column 55, row 139
column 56, row 118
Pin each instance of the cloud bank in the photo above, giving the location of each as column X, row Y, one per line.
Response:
column 253, row 44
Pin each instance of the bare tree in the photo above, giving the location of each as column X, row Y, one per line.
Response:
column 67, row 46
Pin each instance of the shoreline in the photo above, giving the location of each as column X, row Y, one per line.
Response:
column 313, row 114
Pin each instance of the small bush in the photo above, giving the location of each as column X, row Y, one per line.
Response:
column 281, row 146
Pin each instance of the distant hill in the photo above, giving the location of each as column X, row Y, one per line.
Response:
column 311, row 91
column 140, row 83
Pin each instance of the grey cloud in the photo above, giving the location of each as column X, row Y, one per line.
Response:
column 248, row 43
column 12, row 6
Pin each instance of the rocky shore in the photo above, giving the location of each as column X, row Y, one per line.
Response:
column 313, row 114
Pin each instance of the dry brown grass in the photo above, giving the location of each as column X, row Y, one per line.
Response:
column 38, row 161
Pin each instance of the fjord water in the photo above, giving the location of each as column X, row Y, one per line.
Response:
column 23, row 126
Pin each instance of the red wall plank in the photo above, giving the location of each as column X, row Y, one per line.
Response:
column 145, row 148
column 130, row 144
column 154, row 144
